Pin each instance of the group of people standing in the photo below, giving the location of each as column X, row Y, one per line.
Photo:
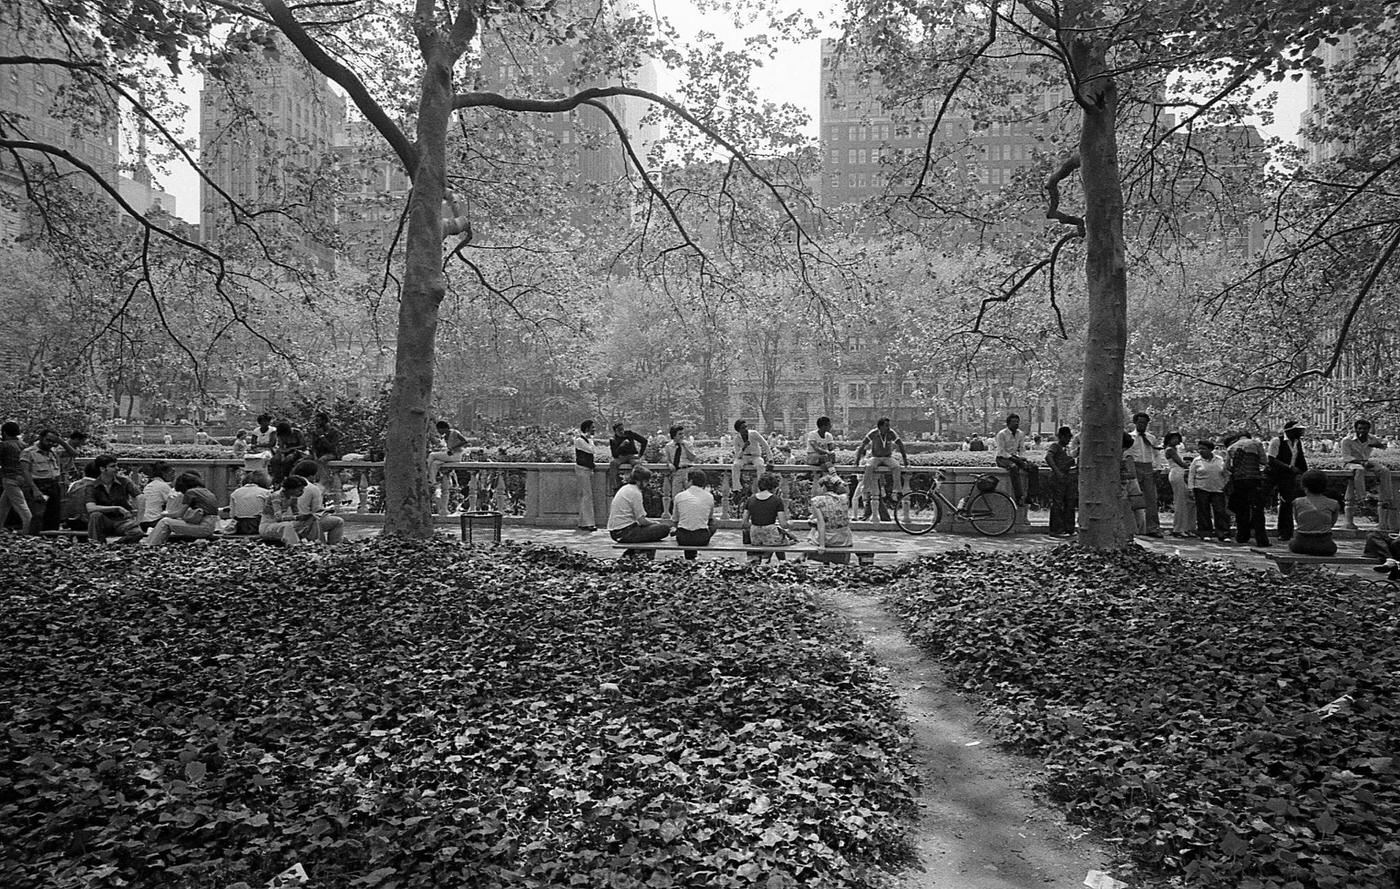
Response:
column 1238, row 478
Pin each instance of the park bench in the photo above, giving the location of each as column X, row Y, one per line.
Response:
column 1287, row 561
column 865, row 555
column 64, row 534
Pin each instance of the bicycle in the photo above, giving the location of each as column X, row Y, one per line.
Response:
column 989, row 511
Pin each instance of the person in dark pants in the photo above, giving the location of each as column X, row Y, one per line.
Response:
column 1064, row 483
column 41, row 460
column 1316, row 513
column 1207, row 479
column 694, row 511
column 1287, row 464
column 1247, row 461
column 628, row 521
column 627, row 448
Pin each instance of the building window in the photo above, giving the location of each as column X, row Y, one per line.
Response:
column 851, row 156
column 862, row 156
column 851, row 133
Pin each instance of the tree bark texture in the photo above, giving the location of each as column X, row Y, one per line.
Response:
column 1101, row 507
column 408, row 502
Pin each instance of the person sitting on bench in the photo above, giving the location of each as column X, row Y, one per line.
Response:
column 1314, row 514
column 627, row 518
column 694, row 510
column 831, row 522
column 765, row 519
column 110, row 502
column 195, row 516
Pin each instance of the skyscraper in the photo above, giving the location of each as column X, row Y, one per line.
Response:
column 266, row 129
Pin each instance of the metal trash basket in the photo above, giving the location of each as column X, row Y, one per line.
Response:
column 481, row 527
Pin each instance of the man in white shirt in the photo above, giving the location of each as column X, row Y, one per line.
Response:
column 1145, row 456
column 1356, row 456
column 821, row 448
column 1010, row 448
column 627, row 518
column 694, row 509
column 312, row 502
column 246, row 502
column 750, row 449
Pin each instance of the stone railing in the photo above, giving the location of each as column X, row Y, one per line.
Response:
column 546, row 494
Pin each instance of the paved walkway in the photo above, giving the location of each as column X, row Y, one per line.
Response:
column 600, row 545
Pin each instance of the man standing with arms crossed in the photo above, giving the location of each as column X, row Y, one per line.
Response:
column 1144, row 451
column 882, row 440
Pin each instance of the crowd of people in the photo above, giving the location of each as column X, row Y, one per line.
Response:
column 284, row 493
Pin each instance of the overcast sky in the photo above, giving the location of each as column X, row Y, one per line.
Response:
column 791, row 77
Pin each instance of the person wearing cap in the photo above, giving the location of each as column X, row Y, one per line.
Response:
column 1287, row 464
column 1356, row 458
column 1207, row 479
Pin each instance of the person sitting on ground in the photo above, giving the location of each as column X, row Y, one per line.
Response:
column 288, row 448
column 694, row 510
column 331, row 527
column 109, row 503
column 626, row 448
column 627, row 517
column 194, row 517
column 1356, row 457
column 246, row 503
column 831, row 521
column 1314, row 514
column 765, row 518
column 75, row 516
column 157, row 496
column 750, row 449
column 17, row 485
column 281, row 518
column 200, row 436
column 821, row 448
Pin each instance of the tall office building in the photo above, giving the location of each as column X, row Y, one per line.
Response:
column 37, row 106
column 266, row 130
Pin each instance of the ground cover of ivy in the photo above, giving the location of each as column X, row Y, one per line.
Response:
column 1228, row 727
column 399, row 714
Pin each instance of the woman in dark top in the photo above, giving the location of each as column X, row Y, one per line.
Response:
column 1314, row 515
column 765, row 517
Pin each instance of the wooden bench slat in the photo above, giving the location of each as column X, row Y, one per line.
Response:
column 1287, row 560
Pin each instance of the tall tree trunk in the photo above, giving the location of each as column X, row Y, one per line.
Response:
column 408, row 503
column 1101, row 521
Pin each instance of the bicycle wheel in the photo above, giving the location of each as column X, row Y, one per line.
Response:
column 917, row 512
column 991, row 512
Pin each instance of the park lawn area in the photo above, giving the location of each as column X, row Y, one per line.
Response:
column 1223, row 727
column 419, row 714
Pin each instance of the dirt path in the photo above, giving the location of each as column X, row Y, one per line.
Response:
column 981, row 828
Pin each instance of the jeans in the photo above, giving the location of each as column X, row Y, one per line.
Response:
column 652, row 533
column 1248, row 505
column 1288, row 490
column 13, row 498
column 168, row 527
column 583, row 475
column 1147, row 480
column 1313, row 544
column 699, row 537
column 872, row 489
column 740, row 462
column 1025, row 479
column 1212, row 516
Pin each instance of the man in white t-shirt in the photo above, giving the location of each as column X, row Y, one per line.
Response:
column 628, row 521
column 246, row 502
column 821, row 448
column 313, row 502
column 750, row 449
column 694, row 511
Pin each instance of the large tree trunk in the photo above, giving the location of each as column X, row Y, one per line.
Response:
column 408, row 503
column 1101, row 521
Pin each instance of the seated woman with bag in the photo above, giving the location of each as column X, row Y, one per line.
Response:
column 831, row 521
column 195, row 516
column 765, row 518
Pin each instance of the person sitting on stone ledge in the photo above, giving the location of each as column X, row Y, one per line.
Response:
column 109, row 503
